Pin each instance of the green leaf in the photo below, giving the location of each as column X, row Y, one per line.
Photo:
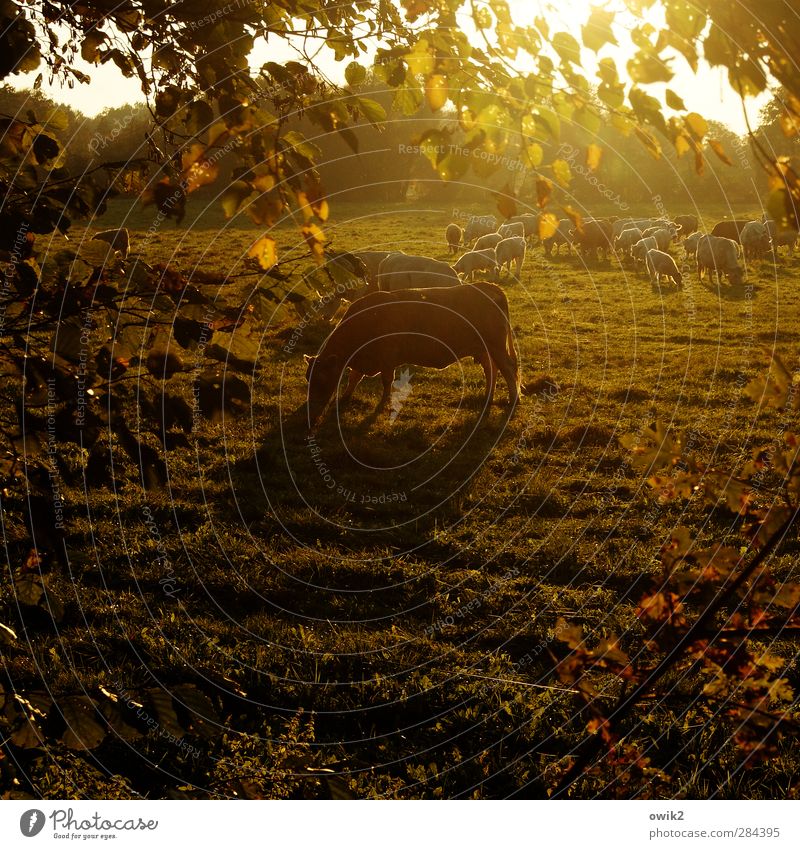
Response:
column 355, row 74
column 567, row 48
column 371, row 110
column 647, row 67
column 597, row 30
column 674, row 102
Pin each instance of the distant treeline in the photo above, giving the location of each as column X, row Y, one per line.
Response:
column 389, row 166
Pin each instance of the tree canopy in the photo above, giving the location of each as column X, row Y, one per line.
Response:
column 192, row 61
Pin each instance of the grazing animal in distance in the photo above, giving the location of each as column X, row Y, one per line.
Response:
column 490, row 240
column 406, row 271
column 516, row 228
column 511, row 250
column 730, row 229
column 690, row 243
column 627, row 239
column 785, row 239
column 119, row 239
column 661, row 264
column 470, row 263
column 640, row 249
column 755, row 240
column 594, row 237
column 432, row 328
column 372, row 260
column 454, row 235
column 562, row 236
column 530, row 225
column 686, row 224
column 477, row 227
column 719, row 254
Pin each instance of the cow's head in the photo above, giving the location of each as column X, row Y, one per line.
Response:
column 322, row 373
column 736, row 275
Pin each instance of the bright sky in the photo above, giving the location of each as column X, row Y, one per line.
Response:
column 707, row 93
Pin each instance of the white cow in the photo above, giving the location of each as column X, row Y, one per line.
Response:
column 511, row 250
column 404, row 271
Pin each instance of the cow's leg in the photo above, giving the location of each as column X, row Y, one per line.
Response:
column 490, row 372
column 388, row 379
column 353, row 380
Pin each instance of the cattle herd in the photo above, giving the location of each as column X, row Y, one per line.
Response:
column 418, row 311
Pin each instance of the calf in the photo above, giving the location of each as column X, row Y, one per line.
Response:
column 660, row 264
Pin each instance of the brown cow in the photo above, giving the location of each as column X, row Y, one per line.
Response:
column 687, row 224
column 730, row 229
column 426, row 327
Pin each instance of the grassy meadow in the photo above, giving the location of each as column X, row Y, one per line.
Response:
column 373, row 613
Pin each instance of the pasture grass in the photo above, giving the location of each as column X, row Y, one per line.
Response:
column 392, row 618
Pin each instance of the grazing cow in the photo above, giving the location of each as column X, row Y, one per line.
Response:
column 690, row 243
column 640, row 249
column 490, row 240
column 730, row 229
column 405, row 271
column 660, row 264
column 686, row 224
column 477, row 227
column 530, row 225
column 595, row 236
column 119, row 239
column 469, row 264
column 771, row 225
column 755, row 240
column 620, row 225
column 515, row 228
column 627, row 239
column 425, row 327
column 372, row 260
column 511, row 250
column 454, row 235
column 664, row 237
column 561, row 237
column 716, row 253
column 786, row 238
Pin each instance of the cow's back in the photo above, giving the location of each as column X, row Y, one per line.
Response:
column 428, row 327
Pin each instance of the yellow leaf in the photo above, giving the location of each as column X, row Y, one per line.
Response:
column 265, row 251
column 594, row 154
column 547, row 225
column 315, row 239
column 562, row 171
column 533, row 155
column 436, row 91
column 697, row 124
column 717, row 147
column 681, row 145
